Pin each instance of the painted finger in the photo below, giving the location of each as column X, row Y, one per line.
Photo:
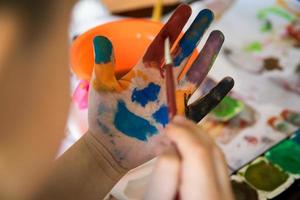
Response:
column 198, row 71
column 191, row 39
column 104, row 74
column 155, row 52
column 201, row 107
column 165, row 178
column 222, row 175
column 204, row 60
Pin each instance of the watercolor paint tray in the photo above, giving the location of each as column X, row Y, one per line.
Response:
column 274, row 173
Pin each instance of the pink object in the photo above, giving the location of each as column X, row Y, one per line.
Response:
column 80, row 95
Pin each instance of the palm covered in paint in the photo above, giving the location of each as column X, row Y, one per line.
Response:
column 127, row 114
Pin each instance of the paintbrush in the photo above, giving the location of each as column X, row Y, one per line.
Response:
column 170, row 84
column 157, row 11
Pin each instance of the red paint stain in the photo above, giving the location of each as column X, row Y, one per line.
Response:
column 251, row 139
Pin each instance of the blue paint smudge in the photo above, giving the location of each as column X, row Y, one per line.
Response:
column 161, row 115
column 131, row 124
column 145, row 95
column 119, row 155
column 104, row 128
column 192, row 36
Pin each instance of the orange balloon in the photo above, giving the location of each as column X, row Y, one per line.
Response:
column 130, row 39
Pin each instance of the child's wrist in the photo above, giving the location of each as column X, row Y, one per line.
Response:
column 104, row 158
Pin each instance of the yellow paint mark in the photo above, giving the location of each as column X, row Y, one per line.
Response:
column 129, row 76
column 142, row 75
column 212, row 128
column 125, row 81
column 180, row 102
column 105, row 78
column 124, row 84
column 188, row 65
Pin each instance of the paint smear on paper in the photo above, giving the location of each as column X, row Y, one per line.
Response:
column 251, row 139
column 228, row 108
column 243, row 191
column 291, row 117
column 293, row 31
column 131, row 124
column 267, row 26
column 161, row 115
column 281, row 125
column 271, row 63
column 286, row 155
column 265, row 176
column 278, row 11
column 146, row 94
column 254, row 47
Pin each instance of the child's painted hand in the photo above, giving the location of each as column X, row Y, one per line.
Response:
column 127, row 113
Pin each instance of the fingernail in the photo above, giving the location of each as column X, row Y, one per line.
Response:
column 102, row 49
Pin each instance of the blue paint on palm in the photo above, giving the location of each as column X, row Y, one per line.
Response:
column 161, row 115
column 192, row 36
column 104, row 128
column 131, row 124
column 146, row 94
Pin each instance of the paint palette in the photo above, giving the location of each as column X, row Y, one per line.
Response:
column 226, row 130
column 229, row 118
column 271, row 174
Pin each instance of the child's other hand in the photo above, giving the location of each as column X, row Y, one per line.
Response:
column 193, row 168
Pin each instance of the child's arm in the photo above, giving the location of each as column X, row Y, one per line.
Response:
column 85, row 171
